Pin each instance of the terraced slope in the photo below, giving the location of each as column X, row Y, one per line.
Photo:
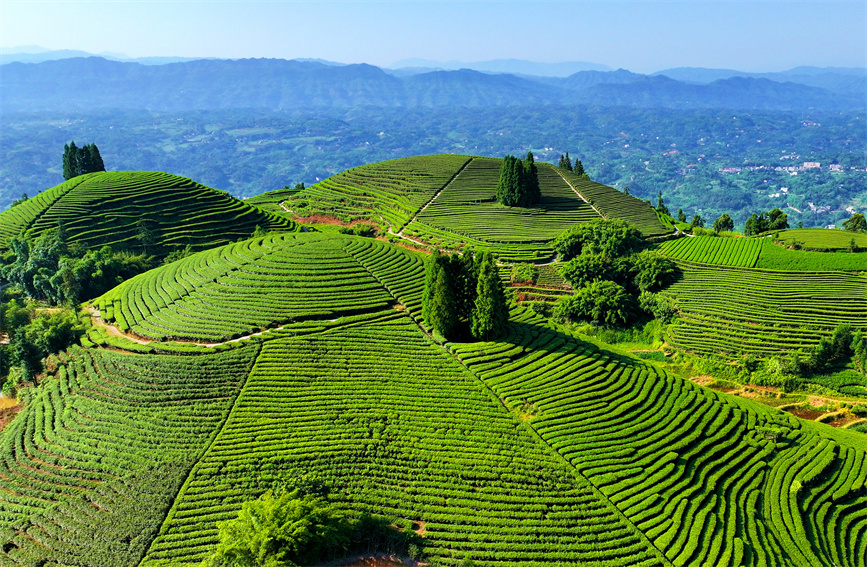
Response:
column 760, row 253
column 732, row 310
column 614, row 204
column 237, row 290
column 399, row 428
column 387, row 193
column 105, row 208
column 466, row 212
column 534, row 450
column 709, row 479
column 93, row 462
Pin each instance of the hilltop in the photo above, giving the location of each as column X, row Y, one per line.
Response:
column 449, row 201
column 137, row 210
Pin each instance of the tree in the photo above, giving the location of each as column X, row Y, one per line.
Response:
column 697, row 221
column 565, row 162
column 777, row 219
column 490, row 310
column 660, row 206
column 603, row 302
column 443, row 306
column 146, row 234
column 78, row 161
column 280, row 531
column 610, row 237
column 530, row 190
column 723, row 224
column 518, row 185
column 579, row 168
column 855, row 223
column 681, row 216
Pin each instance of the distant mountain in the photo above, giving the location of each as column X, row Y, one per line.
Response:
column 92, row 83
column 840, row 80
column 512, row 66
column 33, row 54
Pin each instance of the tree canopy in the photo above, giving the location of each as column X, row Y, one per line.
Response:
column 78, row 161
column 723, row 224
column 518, row 185
column 609, row 237
column 855, row 223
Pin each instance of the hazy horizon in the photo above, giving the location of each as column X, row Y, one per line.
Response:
column 642, row 36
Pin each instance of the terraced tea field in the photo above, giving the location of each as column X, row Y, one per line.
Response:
column 449, row 201
column 760, row 253
column 105, row 208
column 730, row 310
column 535, row 450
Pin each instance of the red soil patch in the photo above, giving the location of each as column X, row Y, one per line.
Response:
column 8, row 414
column 843, row 421
column 805, row 413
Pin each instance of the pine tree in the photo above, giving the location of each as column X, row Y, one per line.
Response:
column 530, row 190
column 490, row 311
column 660, row 206
column 84, row 161
column 70, row 161
column 579, row 167
column 681, row 216
column 568, row 162
column 442, row 310
column 431, row 266
column 95, row 159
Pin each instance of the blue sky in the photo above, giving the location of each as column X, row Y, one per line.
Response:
column 643, row 36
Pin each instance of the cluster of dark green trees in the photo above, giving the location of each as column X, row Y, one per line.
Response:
column 32, row 335
column 775, row 219
column 566, row 163
column 78, row 161
column 613, row 276
column 464, row 296
column 519, row 182
column 47, row 268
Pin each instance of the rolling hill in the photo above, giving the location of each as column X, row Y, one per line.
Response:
column 534, row 450
column 111, row 208
column 449, row 201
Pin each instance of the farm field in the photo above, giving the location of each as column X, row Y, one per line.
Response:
column 822, row 239
column 760, row 253
column 448, row 201
column 105, row 208
column 735, row 310
column 537, row 449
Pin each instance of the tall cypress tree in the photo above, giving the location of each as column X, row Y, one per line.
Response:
column 443, row 311
column 431, row 266
column 579, row 167
column 70, row 161
column 490, row 311
column 95, row 159
column 530, row 190
column 568, row 162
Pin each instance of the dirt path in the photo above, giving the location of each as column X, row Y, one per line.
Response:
column 577, row 192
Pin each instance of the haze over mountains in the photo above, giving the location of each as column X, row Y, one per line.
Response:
column 91, row 83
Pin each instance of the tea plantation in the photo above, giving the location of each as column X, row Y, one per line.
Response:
column 263, row 361
column 449, row 201
column 536, row 449
column 117, row 208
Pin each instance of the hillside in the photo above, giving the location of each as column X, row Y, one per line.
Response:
column 449, row 201
column 112, row 208
column 537, row 449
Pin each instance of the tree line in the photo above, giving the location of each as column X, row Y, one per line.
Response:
column 78, row 161
column 518, row 185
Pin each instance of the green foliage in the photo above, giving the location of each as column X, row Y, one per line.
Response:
column 78, row 161
column 681, row 216
column 660, row 205
column 723, row 224
column 518, row 185
column 16, row 376
column 281, row 531
column 524, row 273
column 855, row 223
column 579, row 168
column 652, row 271
column 601, row 302
column 490, row 310
column 566, row 162
column 609, row 237
column 775, row 219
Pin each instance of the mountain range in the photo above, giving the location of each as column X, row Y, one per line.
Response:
column 91, row 83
